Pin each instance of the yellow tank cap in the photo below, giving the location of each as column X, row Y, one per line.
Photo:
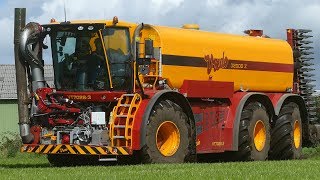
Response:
column 191, row 26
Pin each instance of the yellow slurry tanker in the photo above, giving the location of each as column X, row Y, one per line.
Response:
column 162, row 94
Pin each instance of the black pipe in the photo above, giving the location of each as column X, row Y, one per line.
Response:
column 21, row 78
column 137, row 69
column 135, row 53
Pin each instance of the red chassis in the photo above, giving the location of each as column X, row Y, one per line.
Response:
column 215, row 114
column 216, row 124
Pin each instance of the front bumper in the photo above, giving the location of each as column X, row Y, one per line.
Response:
column 75, row 149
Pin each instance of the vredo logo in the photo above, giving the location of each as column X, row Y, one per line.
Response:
column 215, row 63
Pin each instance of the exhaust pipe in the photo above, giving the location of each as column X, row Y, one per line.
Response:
column 31, row 49
column 28, row 53
column 21, row 78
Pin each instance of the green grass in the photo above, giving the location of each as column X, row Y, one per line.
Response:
column 32, row 166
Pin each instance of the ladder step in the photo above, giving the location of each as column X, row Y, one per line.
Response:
column 119, row 126
column 118, row 137
column 121, row 116
column 125, row 105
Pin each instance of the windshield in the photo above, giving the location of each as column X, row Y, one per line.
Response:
column 79, row 61
column 117, row 44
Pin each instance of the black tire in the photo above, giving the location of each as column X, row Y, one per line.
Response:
column 253, row 114
column 167, row 112
column 60, row 160
column 66, row 160
column 282, row 134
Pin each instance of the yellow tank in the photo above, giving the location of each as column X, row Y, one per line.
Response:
column 252, row 63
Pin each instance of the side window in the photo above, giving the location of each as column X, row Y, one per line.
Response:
column 117, row 40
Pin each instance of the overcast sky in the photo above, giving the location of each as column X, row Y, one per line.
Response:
column 230, row 16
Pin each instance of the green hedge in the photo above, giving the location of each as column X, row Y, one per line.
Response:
column 10, row 144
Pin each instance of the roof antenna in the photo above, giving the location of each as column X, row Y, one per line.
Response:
column 65, row 11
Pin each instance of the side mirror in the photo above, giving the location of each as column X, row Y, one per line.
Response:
column 148, row 48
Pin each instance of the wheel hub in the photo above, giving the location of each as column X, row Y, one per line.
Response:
column 260, row 135
column 296, row 134
column 168, row 138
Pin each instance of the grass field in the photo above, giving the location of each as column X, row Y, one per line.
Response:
column 31, row 166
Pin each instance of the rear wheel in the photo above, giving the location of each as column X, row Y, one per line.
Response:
column 286, row 135
column 254, row 133
column 167, row 135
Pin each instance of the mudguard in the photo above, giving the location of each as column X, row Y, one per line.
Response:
column 240, row 100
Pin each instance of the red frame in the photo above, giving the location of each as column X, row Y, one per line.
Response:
column 207, row 89
column 93, row 96
column 219, row 133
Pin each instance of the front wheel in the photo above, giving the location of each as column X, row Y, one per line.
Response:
column 167, row 134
